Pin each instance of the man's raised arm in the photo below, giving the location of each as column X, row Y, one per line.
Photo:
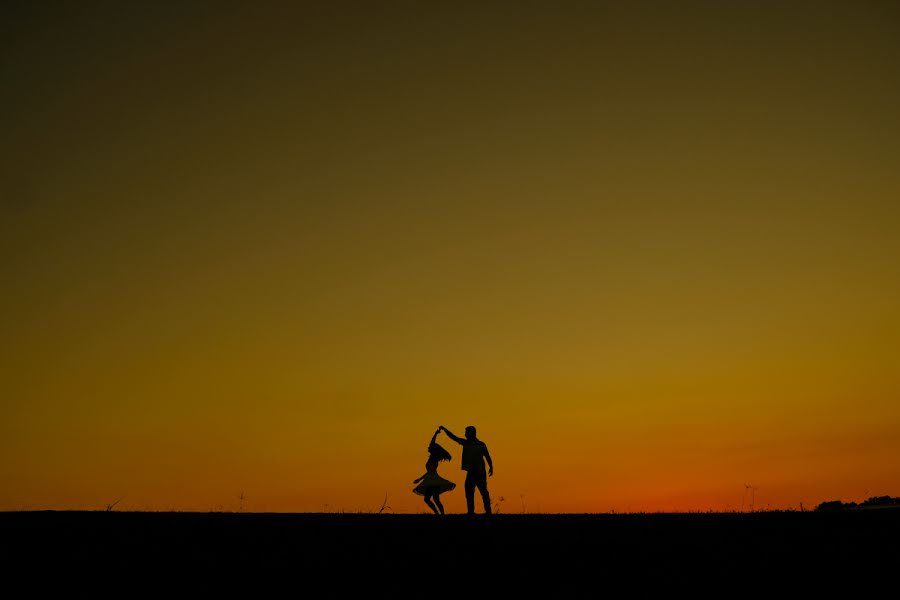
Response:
column 450, row 435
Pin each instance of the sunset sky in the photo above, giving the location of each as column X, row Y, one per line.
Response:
column 651, row 250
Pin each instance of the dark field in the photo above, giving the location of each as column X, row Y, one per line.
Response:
column 336, row 555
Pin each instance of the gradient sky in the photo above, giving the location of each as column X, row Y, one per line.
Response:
column 650, row 250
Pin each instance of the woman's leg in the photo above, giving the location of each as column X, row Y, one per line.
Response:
column 437, row 501
column 431, row 504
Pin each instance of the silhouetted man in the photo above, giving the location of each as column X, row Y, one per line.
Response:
column 474, row 454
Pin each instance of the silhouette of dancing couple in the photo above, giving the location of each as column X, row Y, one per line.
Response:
column 474, row 455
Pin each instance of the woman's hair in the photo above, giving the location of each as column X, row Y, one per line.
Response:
column 438, row 451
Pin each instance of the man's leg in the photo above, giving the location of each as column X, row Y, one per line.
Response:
column 485, row 496
column 470, row 494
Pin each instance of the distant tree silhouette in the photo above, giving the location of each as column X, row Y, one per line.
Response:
column 873, row 502
column 832, row 505
column 881, row 501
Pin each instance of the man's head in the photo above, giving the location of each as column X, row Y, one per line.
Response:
column 470, row 432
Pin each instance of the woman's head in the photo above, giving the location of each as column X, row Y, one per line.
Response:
column 439, row 452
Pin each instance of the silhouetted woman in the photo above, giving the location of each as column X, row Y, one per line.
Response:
column 431, row 485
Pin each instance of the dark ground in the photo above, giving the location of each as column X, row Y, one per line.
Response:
column 385, row 555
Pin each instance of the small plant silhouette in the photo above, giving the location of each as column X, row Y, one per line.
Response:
column 111, row 506
column 384, row 505
column 496, row 508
